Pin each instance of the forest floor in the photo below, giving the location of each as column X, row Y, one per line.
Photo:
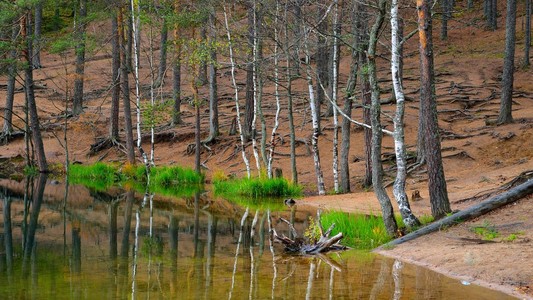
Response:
column 478, row 157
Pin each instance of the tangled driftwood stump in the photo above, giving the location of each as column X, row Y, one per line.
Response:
column 302, row 246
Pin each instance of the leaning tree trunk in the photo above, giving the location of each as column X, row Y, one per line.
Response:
column 377, row 170
column 506, row 104
column 408, row 217
column 440, row 205
column 30, row 97
column 115, row 65
column 77, row 107
column 314, row 115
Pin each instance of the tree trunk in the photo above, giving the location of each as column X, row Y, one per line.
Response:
column 288, row 74
column 255, row 73
column 444, row 4
column 335, row 58
column 366, row 100
column 176, row 82
column 37, row 35
column 408, row 217
column 115, row 65
column 527, row 42
column 249, row 104
column 202, row 69
column 7, row 129
column 322, row 58
column 377, row 170
column 235, row 88
column 125, row 87
column 314, row 115
column 438, row 194
column 506, row 104
column 212, row 68
column 162, row 54
column 80, row 26
column 30, row 97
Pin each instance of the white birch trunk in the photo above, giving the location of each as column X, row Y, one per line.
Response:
column 135, row 23
column 254, row 78
column 399, row 145
column 239, row 241
column 314, row 115
column 234, row 84
column 334, row 99
column 276, row 94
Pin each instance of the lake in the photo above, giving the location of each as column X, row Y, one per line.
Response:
column 78, row 243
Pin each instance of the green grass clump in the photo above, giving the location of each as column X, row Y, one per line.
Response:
column 171, row 176
column 360, row 231
column 257, row 187
column 486, row 231
column 99, row 175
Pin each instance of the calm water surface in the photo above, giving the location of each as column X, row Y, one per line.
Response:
column 83, row 244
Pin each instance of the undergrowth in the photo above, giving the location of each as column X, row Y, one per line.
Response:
column 255, row 187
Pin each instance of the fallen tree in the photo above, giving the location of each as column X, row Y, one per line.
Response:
column 303, row 246
column 474, row 211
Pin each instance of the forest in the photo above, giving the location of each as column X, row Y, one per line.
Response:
column 259, row 87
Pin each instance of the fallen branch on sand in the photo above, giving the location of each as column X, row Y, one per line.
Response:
column 474, row 211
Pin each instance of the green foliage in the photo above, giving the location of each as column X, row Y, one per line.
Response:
column 257, row 187
column 152, row 245
column 99, row 176
column 360, row 231
column 486, row 231
column 312, row 232
column 31, row 170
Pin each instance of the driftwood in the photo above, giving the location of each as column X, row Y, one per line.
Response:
column 474, row 211
column 301, row 246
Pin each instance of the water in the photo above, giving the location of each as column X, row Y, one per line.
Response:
column 124, row 245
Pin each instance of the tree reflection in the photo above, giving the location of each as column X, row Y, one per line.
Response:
column 29, row 240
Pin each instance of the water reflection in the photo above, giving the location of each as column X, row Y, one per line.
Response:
column 77, row 243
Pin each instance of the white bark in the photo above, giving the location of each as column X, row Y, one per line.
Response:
column 135, row 23
column 239, row 240
column 276, row 94
column 314, row 115
column 234, row 84
column 399, row 145
column 334, row 99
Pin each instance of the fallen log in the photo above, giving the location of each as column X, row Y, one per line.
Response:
column 302, row 246
column 474, row 211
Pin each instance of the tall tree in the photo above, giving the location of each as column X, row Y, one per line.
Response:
column 212, row 76
column 334, row 84
column 79, row 34
column 163, row 53
column 313, row 103
column 115, row 65
column 292, row 60
column 440, row 205
column 408, row 217
column 506, row 103
column 37, row 35
column 125, row 88
column 7, row 128
column 527, row 43
column 249, row 103
column 322, row 58
column 375, row 109
column 30, row 95
column 176, row 72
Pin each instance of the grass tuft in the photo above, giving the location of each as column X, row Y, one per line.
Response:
column 360, row 231
column 256, row 187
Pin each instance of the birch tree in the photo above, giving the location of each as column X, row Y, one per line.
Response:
column 334, row 98
column 288, row 73
column 408, row 217
column 236, row 89
column 314, row 114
